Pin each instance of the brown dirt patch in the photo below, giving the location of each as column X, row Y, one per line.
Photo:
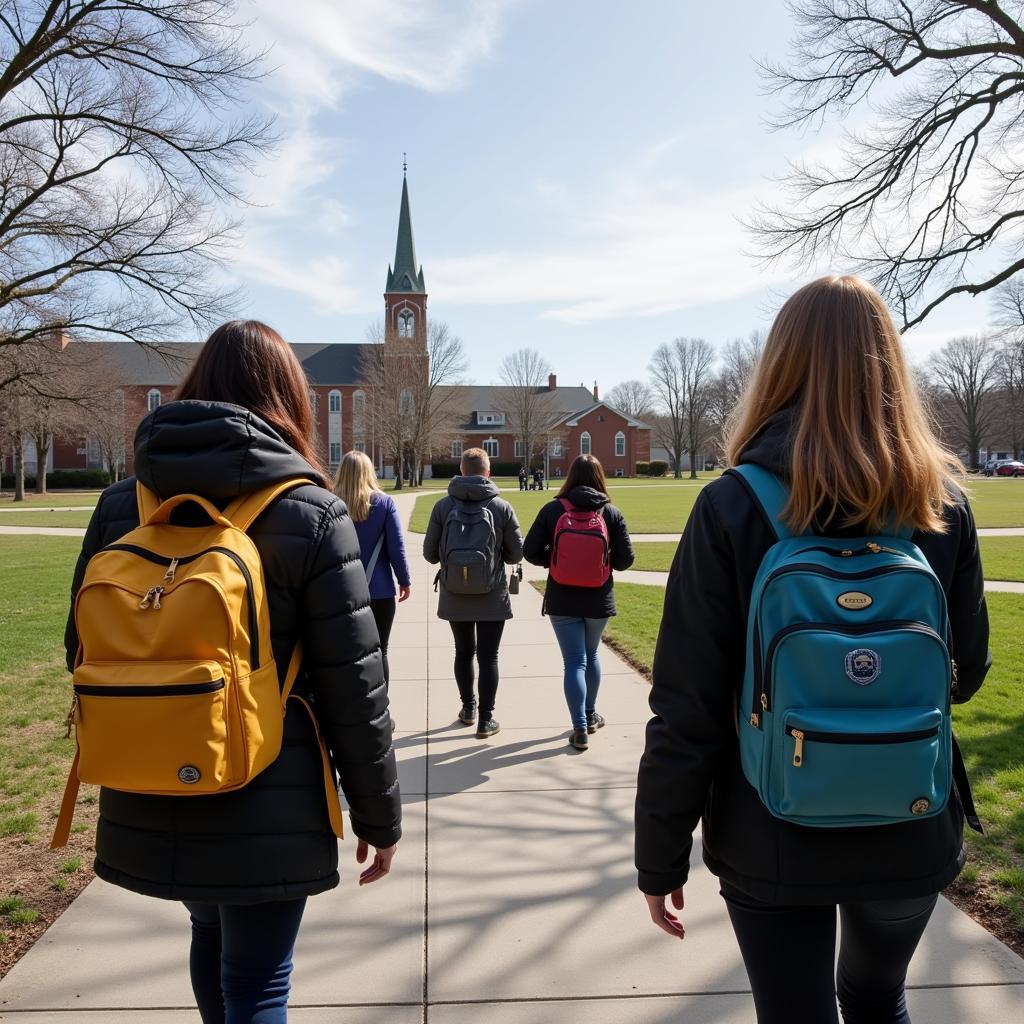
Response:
column 976, row 900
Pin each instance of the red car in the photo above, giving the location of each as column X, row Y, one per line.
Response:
column 1010, row 468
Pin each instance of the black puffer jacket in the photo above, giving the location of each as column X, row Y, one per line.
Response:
column 272, row 839
column 691, row 765
column 586, row 602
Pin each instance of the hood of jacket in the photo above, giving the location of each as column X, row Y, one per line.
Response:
column 472, row 488
column 213, row 449
column 588, row 497
column 772, row 446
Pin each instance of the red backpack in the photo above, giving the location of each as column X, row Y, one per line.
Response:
column 580, row 548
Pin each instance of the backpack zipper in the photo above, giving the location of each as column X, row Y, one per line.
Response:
column 170, row 690
column 154, row 593
column 856, row 738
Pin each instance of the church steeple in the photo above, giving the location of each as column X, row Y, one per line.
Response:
column 406, row 275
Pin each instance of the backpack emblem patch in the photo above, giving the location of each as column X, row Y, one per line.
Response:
column 863, row 666
column 189, row 774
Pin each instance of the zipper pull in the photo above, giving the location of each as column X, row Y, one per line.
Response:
column 147, row 600
column 874, row 548
column 755, row 720
column 764, row 701
column 956, row 681
column 74, row 716
column 171, row 570
column 157, row 591
column 846, row 553
column 798, row 749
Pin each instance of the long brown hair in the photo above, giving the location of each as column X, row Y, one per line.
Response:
column 861, row 440
column 585, row 471
column 247, row 363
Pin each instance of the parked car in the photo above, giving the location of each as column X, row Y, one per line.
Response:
column 1010, row 467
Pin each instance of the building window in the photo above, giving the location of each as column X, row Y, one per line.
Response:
column 585, row 443
column 335, row 455
column 334, row 401
column 491, row 447
column 406, row 323
column 555, row 448
column 360, row 446
column 497, row 418
column 153, row 399
column 620, row 472
column 456, row 449
column 520, row 450
column 620, row 445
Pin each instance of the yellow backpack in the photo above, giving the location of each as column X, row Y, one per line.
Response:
column 175, row 687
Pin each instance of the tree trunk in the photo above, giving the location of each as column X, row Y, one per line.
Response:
column 43, row 442
column 19, row 471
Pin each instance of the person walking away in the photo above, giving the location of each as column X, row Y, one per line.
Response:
column 381, row 543
column 802, row 812
column 472, row 535
column 243, row 861
column 580, row 538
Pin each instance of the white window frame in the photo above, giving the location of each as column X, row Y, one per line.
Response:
column 335, row 453
column 520, row 450
column 360, row 446
column 620, row 442
column 586, row 443
column 555, row 448
column 405, row 403
column 457, row 449
column 492, row 442
column 152, row 406
column 334, row 401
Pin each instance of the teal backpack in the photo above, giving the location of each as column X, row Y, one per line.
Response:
column 844, row 716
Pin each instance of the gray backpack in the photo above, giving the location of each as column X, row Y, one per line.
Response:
column 469, row 549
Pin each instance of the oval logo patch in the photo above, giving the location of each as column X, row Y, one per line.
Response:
column 855, row 600
column 920, row 806
column 863, row 666
column 189, row 774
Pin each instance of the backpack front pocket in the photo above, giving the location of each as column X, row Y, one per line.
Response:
column 883, row 764
column 152, row 727
column 468, row 572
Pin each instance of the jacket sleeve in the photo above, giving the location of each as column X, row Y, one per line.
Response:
column 621, row 546
column 968, row 613
column 396, row 545
column 432, row 538
column 537, row 546
column 698, row 664
column 345, row 672
column 512, row 538
column 92, row 542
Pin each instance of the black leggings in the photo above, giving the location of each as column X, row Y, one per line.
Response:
column 383, row 609
column 789, row 954
column 481, row 639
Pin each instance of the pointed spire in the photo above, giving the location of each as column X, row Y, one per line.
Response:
column 406, row 275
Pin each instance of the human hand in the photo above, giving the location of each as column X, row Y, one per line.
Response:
column 381, row 862
column 663, row 917
column 403, row 593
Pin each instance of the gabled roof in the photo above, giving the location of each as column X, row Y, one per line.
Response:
column 406, row 276
column 574, row 418
column 474, row 398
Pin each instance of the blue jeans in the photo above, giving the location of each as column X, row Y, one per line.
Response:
column 579, row 640
column 241, row 960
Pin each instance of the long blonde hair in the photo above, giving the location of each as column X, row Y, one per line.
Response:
column 355, row 482
column 862, row 442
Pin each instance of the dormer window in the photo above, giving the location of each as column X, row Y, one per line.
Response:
column 496, row 418
column 406, row 323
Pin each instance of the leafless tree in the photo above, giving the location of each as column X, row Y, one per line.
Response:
column 119, row 150
column 965, row 371
column 633, row 397
column 1008, row 304
column 526, row 401
column 681, row 376
column 934, row 178
column 669, row 421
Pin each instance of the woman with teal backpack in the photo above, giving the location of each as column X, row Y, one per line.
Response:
column 818, row 754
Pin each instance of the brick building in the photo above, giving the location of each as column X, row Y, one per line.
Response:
column 576, row 420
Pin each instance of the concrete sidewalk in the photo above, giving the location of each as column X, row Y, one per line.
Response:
column 513, row 897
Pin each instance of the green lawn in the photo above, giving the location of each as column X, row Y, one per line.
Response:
column 990, row 729
column 996, row 502
column 44, row 517
column 57, row 499
column 1003, row 558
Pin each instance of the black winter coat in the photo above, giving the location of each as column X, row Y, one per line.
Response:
column 691, row 766
column 271, row 840
column 585, row 602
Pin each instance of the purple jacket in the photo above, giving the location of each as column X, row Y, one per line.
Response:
column 383, row 517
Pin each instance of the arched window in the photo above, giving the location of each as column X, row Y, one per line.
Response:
column 406, row 324
column 334, row 401
column 585, row 443
column 620, row 445
column 153, row 399
column 491, row 447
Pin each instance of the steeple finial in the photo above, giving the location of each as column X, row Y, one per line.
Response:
column 405, row 165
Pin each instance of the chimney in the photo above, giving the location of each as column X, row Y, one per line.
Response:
column 552, row 382
column 597, row 397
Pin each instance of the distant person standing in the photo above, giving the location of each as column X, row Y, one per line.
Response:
column 538, row 479
column 522, row 478
column 580, row 537
column 381, row 544
column 473, row 534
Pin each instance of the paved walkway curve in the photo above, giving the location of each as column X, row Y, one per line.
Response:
column 513, row 896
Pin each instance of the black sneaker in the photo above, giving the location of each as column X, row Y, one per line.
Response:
column 579, row 739
column 467, row 716
column 488, row 727
column 595, row 721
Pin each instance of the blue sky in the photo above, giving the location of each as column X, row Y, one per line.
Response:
column 578, row 172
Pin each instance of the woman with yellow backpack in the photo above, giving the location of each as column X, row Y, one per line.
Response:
column 225, row 658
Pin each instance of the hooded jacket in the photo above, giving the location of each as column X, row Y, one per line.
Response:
column 495, row 605
column 272, row 839
column 584, row 602
column 691, row 770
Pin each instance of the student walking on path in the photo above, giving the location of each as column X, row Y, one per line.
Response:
column 580, row 538
column 381, row 543
column 473, row 534
column 832, row 413
column 244, row 862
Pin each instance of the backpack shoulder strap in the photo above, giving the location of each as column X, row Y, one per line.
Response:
column 769, row 492
column 566, row 504
column 244, row 511
column 146, row 500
